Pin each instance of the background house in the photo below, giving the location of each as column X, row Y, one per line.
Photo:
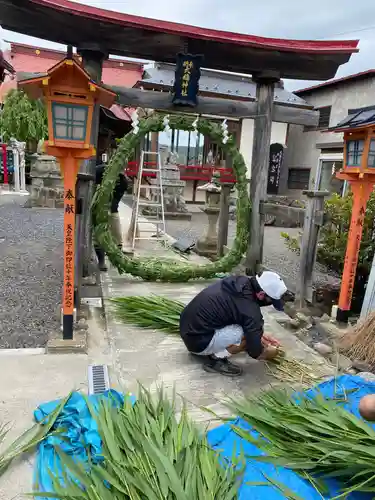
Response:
column 314, row 155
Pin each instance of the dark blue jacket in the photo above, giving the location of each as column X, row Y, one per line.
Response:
column 230, row 301
column 120, row 187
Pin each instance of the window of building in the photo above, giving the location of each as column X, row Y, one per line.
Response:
column 324, row 117
column 298, row 178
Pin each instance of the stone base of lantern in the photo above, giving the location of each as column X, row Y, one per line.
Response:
column 206, row 247
column 178, row 215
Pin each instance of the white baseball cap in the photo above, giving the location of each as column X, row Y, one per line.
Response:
column 272, row 284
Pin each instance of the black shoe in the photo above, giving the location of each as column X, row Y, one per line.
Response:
column 222, row 366
column 100, row 255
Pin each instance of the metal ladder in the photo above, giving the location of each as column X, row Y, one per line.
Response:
column 159, row 218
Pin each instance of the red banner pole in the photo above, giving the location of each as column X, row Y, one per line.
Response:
column 5, row 166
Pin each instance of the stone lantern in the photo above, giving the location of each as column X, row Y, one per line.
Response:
column 207, row 245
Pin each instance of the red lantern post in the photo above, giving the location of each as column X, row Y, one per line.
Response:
column 359, row 171
column 70, row 95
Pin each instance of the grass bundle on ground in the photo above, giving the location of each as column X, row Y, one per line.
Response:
column 359, row 344
column 29, row 440
column 310, row 435
column 152, row 312
column 149, row 455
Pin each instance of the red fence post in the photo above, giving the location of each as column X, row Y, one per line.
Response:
column 5, row 166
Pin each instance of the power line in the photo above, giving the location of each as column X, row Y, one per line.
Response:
column 368, row 28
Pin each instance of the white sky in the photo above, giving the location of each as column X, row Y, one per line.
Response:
column 321, row 19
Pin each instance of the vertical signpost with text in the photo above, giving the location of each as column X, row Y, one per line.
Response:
column 186, row 83
column 70, row 95
column 274, row 169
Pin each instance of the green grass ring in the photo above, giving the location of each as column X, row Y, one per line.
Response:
column 161, row 269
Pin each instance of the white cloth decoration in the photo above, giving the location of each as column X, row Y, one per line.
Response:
column 135, row 122
column 224, row 128
column 167, row 128
column 195, row 124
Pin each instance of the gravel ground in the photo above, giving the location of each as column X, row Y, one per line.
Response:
column 31, row 270
column 275, row 254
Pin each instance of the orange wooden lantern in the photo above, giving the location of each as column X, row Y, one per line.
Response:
column 359, row 171
column 70, row 96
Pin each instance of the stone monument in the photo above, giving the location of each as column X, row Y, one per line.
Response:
column 19, row 166
column 47, row 188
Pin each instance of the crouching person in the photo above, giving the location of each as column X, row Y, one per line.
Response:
column 225, row 319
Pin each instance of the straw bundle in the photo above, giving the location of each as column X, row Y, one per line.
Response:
column 291, row 371
column 359, row 343
column 311, row 435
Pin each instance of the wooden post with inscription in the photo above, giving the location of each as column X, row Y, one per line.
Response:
column 70, row 160
column 71, row 96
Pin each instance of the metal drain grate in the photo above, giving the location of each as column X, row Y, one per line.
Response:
column 98, row 379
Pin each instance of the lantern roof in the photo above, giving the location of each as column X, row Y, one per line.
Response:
column 36, row 83
column 357, row 118
column 151, row 39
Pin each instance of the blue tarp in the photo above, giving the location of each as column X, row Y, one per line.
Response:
column 224, row 438
column 82, row 434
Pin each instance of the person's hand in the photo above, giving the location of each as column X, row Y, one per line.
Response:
column 236, row 349
column 267, row 340
column 269, row 353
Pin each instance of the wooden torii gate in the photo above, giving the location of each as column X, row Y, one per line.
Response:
column 266, row 59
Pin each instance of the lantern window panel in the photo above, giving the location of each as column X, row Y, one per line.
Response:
column 371, row 155
column 69, row 121
column 354, row 152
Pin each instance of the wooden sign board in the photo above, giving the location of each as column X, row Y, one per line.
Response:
column 274, row 169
